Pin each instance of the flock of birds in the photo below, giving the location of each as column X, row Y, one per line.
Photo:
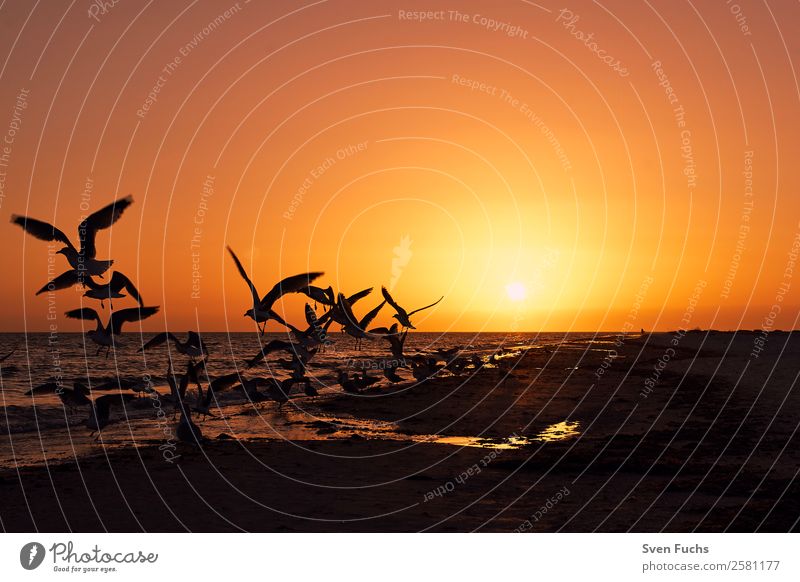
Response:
column 300, row 347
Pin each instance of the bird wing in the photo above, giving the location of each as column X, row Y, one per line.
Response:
column 119, row 281
column 426, row 307
column 358, row 296
column 268, row 348
column 370, row 316
column 131, row 314
column 380, row 331
column 41, row 230
column 193, row 339
column 243, row 273
column 63, row 281
column 83, row 313
column 103, row 218
column 292, row 284
column 311, row 316
column 46, row 388
column 346, row 309
column 391, row 301
column 157, row 340
column 318, row 294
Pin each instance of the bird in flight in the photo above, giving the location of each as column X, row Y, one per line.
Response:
column 81, row 259
column 102, row 291
column 353, row 327
column 194, row 347
column 403, row 316
column 104, row 336
column 262, row 311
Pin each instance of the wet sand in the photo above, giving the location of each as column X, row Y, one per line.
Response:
column 705, row 441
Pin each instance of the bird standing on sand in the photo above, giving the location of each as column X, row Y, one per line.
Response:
column 262, row 311
column 357, row 383
column 82, row 260
column 403, row 316
column 104, row 336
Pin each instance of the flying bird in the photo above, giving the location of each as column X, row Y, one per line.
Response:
column 102, row 291
column 262, row 311
column 81, row 259
column 104, row 336
column 355, row 328
column 403, row 316
column 73, row 397
column 100, row 413
column 194, row 347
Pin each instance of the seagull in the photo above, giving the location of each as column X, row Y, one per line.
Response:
column 315, row 334
column 188, row 431
column 354, row 327
column 402, row 315
column 262, row 311
column 355, row 384
column 336, row 313
column 139, row 385
column 73, row 397
column 294, row 349
column 192, row 347
column 101, row 291
column 104, row 336
column 320, row 295
column 81, row 260
column 396, row 340
column 100, row 413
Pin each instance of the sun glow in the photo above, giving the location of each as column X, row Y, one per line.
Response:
column 516, row 291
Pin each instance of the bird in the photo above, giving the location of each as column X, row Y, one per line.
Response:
column 315, row 334
column 294, row 349
column 104, row 336
column 262, row 311
column 100, row 412
column 187, row 431
column 396, row 340
column 102, row 291
column 354, row 327
column 82, row 259
column 320, row 295
column 402, row 315
column 336, row 313
column 194, row 347
column 73, row 397
column 138, row 385
column 357, row 383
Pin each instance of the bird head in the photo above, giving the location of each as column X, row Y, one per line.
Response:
column 250, row 313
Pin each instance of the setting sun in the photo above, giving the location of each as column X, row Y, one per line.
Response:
column 516, row 291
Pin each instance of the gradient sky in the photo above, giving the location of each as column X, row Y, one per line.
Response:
column 485, row 158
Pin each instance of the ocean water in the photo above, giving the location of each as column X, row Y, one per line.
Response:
column 39, row 429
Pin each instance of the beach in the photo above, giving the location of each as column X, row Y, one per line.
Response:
column 681, row 431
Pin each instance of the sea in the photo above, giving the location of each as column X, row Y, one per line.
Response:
column 38, row 429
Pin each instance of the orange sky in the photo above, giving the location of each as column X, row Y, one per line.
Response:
column 457, row 156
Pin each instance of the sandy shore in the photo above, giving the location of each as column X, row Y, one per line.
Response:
column 705, row 440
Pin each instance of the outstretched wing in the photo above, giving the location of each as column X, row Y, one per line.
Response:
column 324, row 296
column 390, row 300
column 63, row 281
column 292, row 284
column 103, row 218
column 41, row 230
column 273, row 346
column 426, row 307
column 358, row 296
column 131, row 314
column 346, row 309
column 370, row 316
column 83, row 313
column 46, row 388
column 157, row 340
column 244, row 276
column 120, row 281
